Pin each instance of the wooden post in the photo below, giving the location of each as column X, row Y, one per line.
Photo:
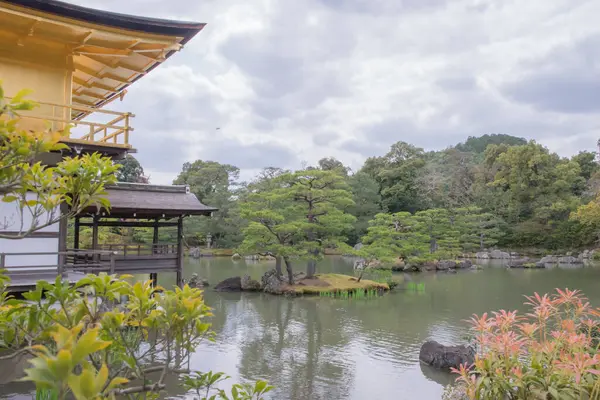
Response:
column 76, row 234
column 154, row 250
column 95, row 256
column 155, row 238
column 180, row 251
column 154, row 278
column 62, row 235
column 2, row 260
column 95, row 233
column 112, row 263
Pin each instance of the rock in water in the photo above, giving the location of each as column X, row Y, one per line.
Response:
column 445, row 357
column 568, row 260
column 358, row 246
column 465, row 264
column 482, row 254
column 197, row 282
column 272, row 283
column 195, row 252
column 445, row 265
column 250, row 284
column 230, row 285
column 519, row 262
column 498, row 254
column 236, row 256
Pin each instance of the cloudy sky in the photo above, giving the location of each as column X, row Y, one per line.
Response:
column 291, row 81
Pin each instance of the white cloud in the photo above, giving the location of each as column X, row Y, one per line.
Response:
column 319, row 78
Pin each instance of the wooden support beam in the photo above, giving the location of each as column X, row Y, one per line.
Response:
column 86, row 70
column 76, row 233
column 89, row 93
column 155, row 236
column 179, row 278
column 114, row 77
column 93, row 50
column 82, row 101
column 62, row 237
column 93, row 84
column 95, row 226
column 128, row 224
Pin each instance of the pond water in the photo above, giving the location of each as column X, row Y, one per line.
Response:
column 316, row 348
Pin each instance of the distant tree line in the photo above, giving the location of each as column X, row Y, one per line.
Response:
column 493, row 190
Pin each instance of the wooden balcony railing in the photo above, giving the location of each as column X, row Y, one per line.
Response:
column 88, row 125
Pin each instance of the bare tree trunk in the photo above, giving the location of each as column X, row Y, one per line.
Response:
column 290, row 272
column 481, row 241
column 362, row 271
column 432, row 245
column 311, row 267
column 278, row 266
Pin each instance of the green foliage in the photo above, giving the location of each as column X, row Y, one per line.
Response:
column 37, row 190
column 438, row 229
column 131, row 170
column 333, row 164
column 367, row 204
column 589, row 215
column 296, row 215
column 204, row 384
column 530, row 180
column 479, row 144
column 477, row 230
column 549, row 353
column 397, row 175
column 392, row 236
column 320, row 199
column 86, row 340
column 216, row 185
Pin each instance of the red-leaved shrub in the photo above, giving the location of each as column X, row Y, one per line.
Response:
column 551, row 352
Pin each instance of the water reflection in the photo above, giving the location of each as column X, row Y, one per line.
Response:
column 322, row 348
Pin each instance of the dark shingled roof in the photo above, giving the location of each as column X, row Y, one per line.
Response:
column 151, row 201
column 185, row 29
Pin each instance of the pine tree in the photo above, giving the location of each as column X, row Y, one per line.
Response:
column 478, row 230
column 321, row 197
column 439, row 231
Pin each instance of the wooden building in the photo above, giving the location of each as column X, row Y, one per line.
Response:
column 77, row 61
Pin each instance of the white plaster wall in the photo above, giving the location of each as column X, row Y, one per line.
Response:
column 10, row 220
column 30, row 245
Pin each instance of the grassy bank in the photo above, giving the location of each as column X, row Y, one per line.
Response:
column 230, row 252
column 217, row 252
column 334, row 283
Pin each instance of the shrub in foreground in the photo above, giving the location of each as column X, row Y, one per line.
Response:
column 550, row 352
column 105, row 338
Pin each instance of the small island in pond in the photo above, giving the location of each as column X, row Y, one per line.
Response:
column 320, row 284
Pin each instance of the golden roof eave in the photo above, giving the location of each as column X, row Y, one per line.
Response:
column 107, row 52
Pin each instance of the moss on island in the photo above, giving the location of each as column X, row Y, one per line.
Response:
column 333, row 283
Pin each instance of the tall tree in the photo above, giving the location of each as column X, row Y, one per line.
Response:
column 275, row 228
column 478, row 230
column 333, row 164
column 216, row 185
column 530, row 177
column 447, row 179
column 393, row 235
column 322, row 196
column 397, row 174
column 131, row 171
column 367, row 203
column 439, row 231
